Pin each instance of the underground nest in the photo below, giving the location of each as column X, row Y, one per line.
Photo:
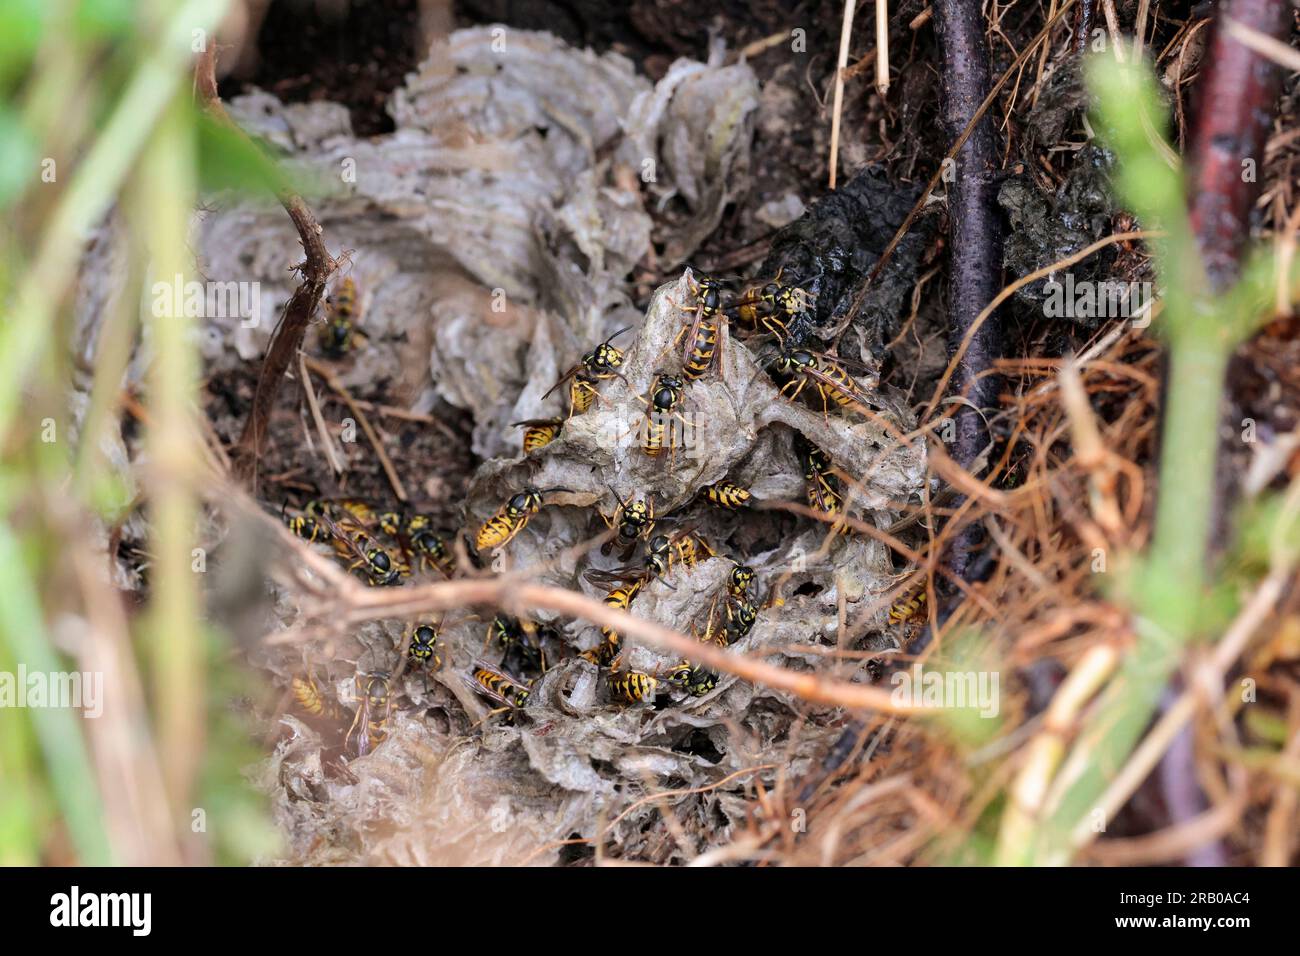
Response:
column 454, row 783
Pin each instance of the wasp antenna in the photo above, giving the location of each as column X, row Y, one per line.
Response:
column 618, row 333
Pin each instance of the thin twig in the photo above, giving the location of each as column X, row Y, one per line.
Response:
column 337, row 387
column 315, row 270
column 846, row 32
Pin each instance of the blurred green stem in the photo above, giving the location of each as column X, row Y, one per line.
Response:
column 1170, row 585
column 164, row 192
column 71, row 775
column 28, row 328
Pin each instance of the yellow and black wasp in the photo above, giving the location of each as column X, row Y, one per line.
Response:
column 418, row 540
column 739, row 579
column 540, row 432
column 908, row 608
column 510, row 692
column 795, row 369
column 778, row 309
column 422, row 651
column 310, row 700
column 631, row 687
column 700, row 349
column 659, row 428
column 521, row 642
column 632, row 521
column 685, row 548
column 741, row 614
column 692, row 678
column 601, row 363
column 337, row 336
column 727, row 494
column 823, row 484
column 513, row 516
column 353, row 543
column 373, row 710
column 304, row 526
column 621, row 598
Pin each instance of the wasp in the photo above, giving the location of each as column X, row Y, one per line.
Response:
column 620, row 598
column 307, row 695
column 701, row 346
column 739, row 578
column 511, row 693
column 659, row 429
column 695, row 680
column 511, row 518
column 763, row 307
column 907, row 608
column 727, row 494
column 796, row 368
column 416, row 538
column 601, row 363
column 540, row 432
column 356, row 546
column 823, row 485
column 432, row 550
column 632, row 521
column 741, row 615
column 304, row 526
column 519, row 640
column 632, row 687
column 338, row 335
column 685, row 548
column 422, row 652
column 368, row 726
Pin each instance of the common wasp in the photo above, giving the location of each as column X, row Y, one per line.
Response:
column 433, row 553
column 774, row 308
column 305, row 526
column 741, row 614
column 727, row 494
column 631, row 687
column 373, row 710
column 540, row 432
column 520, row 640
column 422, row 651
column 621, row 598
column 632, row 521
column 513, row 516
column 337, row 336
column 354, row 545
column 310, row 700
column 659, row 428
column 685, row 548
column 739, row 578
column 795, row 369
column 823, row 485
column 601, row 363
column 700, row 349
column 908, row 608
column 510, row 692
column 692, row 678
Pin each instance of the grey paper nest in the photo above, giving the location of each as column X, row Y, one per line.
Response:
column 491, row 235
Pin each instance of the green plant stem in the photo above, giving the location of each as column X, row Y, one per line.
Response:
column 28, row 327
column 164, row 193
column 71, row 774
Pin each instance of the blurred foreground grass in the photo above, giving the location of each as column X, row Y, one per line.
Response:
column 96, row 119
